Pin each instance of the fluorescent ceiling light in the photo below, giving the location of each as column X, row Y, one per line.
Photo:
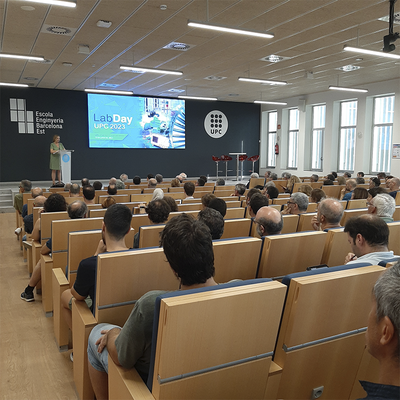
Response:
column 277, row 103
column 197, row 98
column 371, row 52
column 22, row 56
column 14, row 84
column 125, row 92
column 346, row 89
column 262, row 81
column 141, row 70
column 214, row 27
column 64, row 3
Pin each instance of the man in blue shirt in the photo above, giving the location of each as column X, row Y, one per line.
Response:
column 348, row 190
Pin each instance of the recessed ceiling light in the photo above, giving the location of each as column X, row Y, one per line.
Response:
column 67, row 64
column 141, row 70
column 28, row 8
column 176, row 90
column 265, row 81
column 215, row 78
column 274, row 58
column 22, row 57
column 349, row 68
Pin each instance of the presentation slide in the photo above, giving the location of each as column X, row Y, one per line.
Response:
column 135, row 122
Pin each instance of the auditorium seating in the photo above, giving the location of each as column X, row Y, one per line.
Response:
column 231, row 357
column 394, row 237
column 352, row 213
column 305, row 222
column 289, row 253
column 321, row 340
column 353, row 204
column 336, row 247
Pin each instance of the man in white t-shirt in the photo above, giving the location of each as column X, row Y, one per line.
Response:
column 368, row 236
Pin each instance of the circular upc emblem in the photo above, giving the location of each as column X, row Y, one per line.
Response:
column 216, row 124
column 65, row 157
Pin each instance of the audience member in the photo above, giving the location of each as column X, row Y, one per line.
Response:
column 136, row 180
column 374, row 182
column 219, row 205
column 274, row 176
column 204, row 178
column 306, row 189
column 88, row 194
column 220, row 182
column 347, row 191
column 97, row 185
column 35, row 192
column 329, row 215
column 149, row 176
column 347, row 175
column 383, row 206
column 290, row 185
column 108, row 201
column 214, row 220
column 341, row 180
column 24, row 186
column 85, row 182
column 271, row 192
column 250, row 193
column 54, row 203
column 74, row 190
column 112, row 181
column 317, row 195
column 374, row 191
column 159, row 178
column 112, row 190
column 172, row 203
column 381, row 175
column 158, row 194
column 206, row 198
column 360, row 174
column 297, row 204
column 360, row 181
column 28, row 219
column 334, row 173
column 267, row 175
column 314, row 178
column 368, row 236
column 119, row 184
column 175, row 182
column 328, row 182
column 240, row 188
column 269, row 221
column 124, row 178
column 67, row 187
column 189, row 189
column 394, row 186
column 332, row 177
column 188, row 246
column 257, row 201
column 77, row 209
column 359, row 193
column 201, row 182
column 383, row 335
column 116, row 225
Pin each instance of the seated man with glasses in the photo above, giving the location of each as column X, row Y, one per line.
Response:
column 297, row 204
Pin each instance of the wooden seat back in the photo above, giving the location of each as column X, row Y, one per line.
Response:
column 397, row 199
column 281, row 200
column 336, row 247
column 290, row 223
column 98, row 193
column 142, row 198
column 223, row 193
column 190, row 207
column 236, row 227
column 234, row 212
column 149, row 235
column 236, row 258
column 396, row 215
column 324, row 318
column 175, row 189
column 198, row 194
column 305, row 222
column 332, row 190
column 284, row 254
column 97, row 212
column 312, row 207
column 119, row 198
column 45, row 223
column 394, row 237
column 95, row 206
column 352, row 213
column 256, row 181
column 359, row 203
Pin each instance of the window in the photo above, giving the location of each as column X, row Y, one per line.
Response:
column 271, row 138
column 347, row 140
column 317, row 136
column 293, row 137
column 382, row 133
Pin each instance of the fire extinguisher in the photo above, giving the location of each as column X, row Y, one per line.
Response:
column 276, row 148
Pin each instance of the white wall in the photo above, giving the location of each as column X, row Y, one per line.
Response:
column 331, row 141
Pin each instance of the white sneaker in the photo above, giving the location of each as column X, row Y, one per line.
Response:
column 18, row 231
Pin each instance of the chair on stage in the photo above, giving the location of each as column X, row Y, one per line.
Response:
column 253, row 159
column 217, row 160
column 225, row 159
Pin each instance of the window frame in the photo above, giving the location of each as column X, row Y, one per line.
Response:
column 313, row 129
column 345, row 127
column 290, row 131
column 268, row 138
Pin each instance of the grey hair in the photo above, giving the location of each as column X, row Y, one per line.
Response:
column 301, row 200
column 254, row 175
column 119, row 184
column 158, row 194
column 159, row 178
column 220, row 182
column 315, row 177
column 333, row 213
column 387, row 295
column 240, row 188
column 274, row 176
column 77, row 209
column 270, row 183
column 286, row 175
column 384, row 204
column 26, row 185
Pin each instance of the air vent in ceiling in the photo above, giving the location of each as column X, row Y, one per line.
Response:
column 58, row 30
column 109, row 85
column 274, row 58
column 31, row 78
column 349, row 68
column 178, row 46
column 215, row 78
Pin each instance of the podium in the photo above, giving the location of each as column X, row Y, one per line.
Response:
column 65, row 158
column 237, row 164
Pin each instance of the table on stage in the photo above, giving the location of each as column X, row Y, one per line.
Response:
column 237, row 162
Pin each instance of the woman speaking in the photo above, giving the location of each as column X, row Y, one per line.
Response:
column 55, row 160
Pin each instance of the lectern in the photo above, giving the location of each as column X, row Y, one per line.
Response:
column 66, row 165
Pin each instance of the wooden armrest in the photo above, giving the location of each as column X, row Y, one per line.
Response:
column 27, row 244
column 46, row 276
column 60, row 284
column 126, row 383
column 274, row 380
column 83, row 322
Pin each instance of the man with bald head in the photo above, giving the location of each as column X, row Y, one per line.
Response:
column 152, row 183
column 28, row 219
column 269, row 221
column 347, row 191
column 394, row 186
column 329, row 214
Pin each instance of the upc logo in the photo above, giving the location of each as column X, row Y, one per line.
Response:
column 216, row 124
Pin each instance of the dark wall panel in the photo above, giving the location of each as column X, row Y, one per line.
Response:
column 27, row 155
